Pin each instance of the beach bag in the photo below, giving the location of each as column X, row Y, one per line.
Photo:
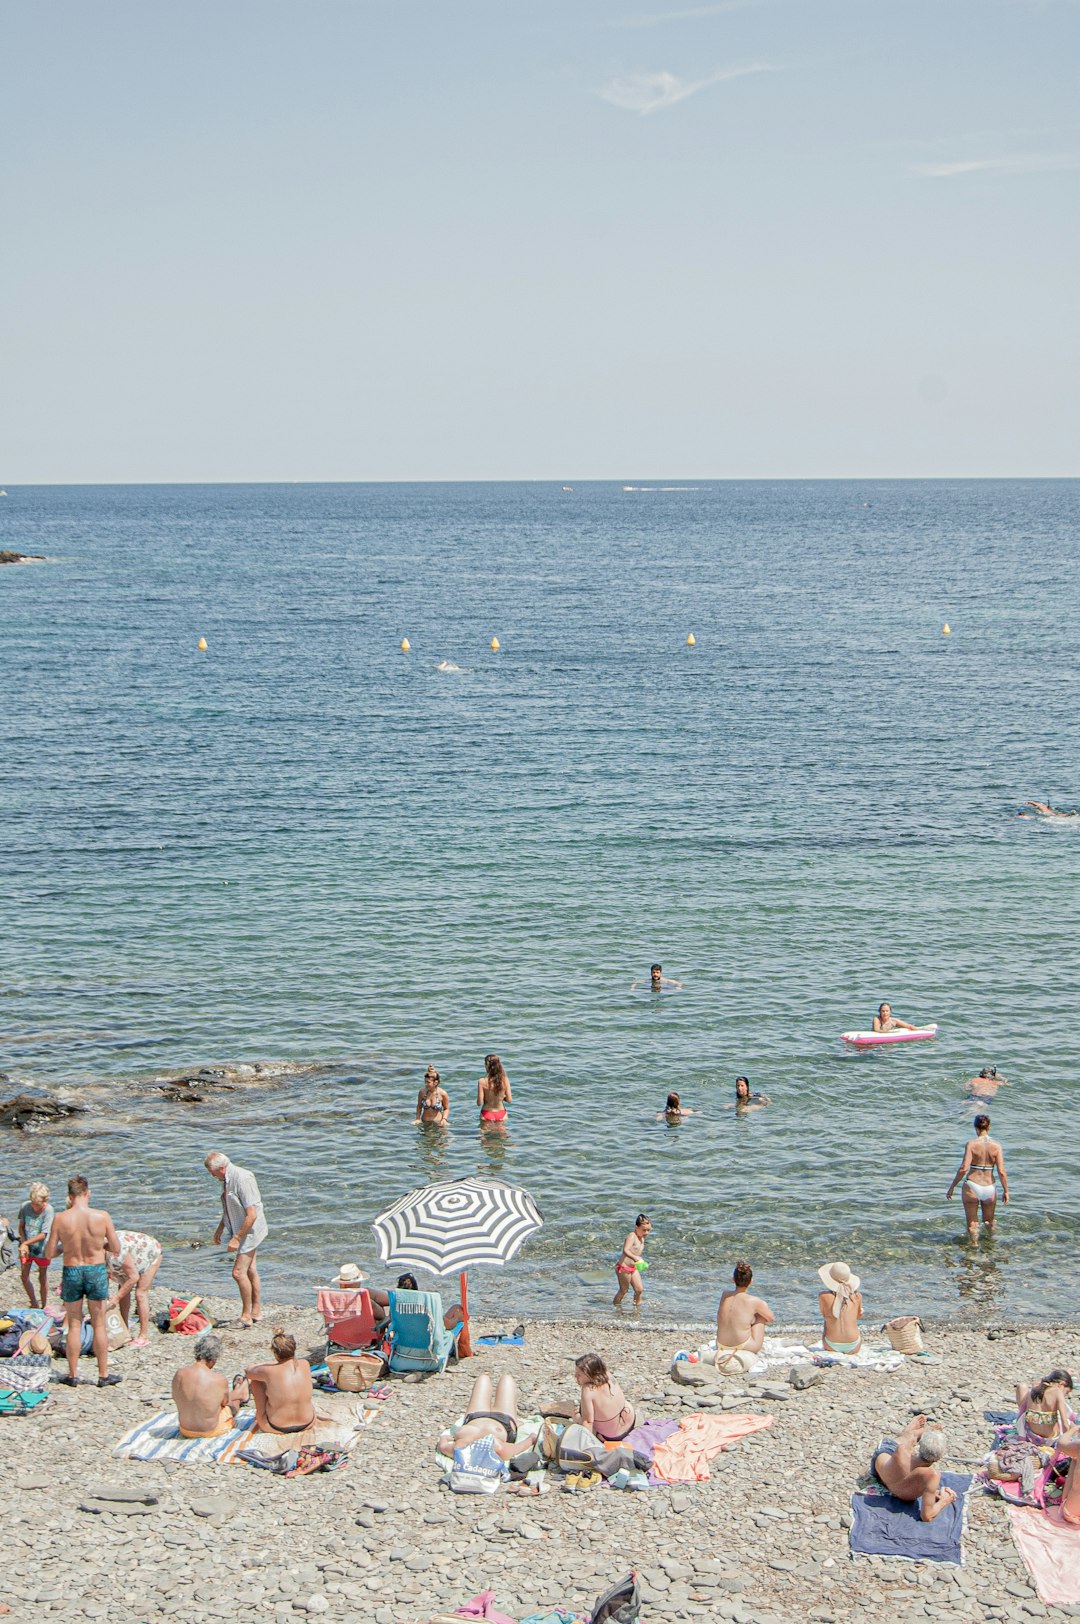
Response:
column 27, row 1373
column 619, row 1605
column 905, row 1333
column 477, row 1468
column 116, row 1331
column 578, row 1448
column 186, row 1317
column 353, row 1372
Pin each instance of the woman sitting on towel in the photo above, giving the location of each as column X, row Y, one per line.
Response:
column 604, row 1407
column 1043, row 1412
column 282, row 1392
column 491, row 1416
column 841, row 1309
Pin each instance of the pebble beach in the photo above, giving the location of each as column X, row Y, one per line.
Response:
column 764, row 1541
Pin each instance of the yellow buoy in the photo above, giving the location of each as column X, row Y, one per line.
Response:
column 203, row 644
column 946, row 629
column 691, row 641
column 495, row 645
column 406, row 646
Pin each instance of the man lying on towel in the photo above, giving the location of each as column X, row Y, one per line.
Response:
column 910, row 1471
column 205, row 1407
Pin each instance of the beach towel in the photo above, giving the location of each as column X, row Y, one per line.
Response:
column 483, row 1607
column 1051, row 1553
column 778, row 1352
column 684, row 1457
column 886, row 1526
column 648, row 1434
column 159, row 1439
column 339, row 1417
column 500, row 1340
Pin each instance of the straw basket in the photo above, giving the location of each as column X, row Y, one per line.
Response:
column 905, row 1333
column 353, row 1372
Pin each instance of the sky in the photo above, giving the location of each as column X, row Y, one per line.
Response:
column 539, row 239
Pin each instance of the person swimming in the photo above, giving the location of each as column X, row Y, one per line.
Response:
column 1043, row 809
column 657, row 982
column 886, row 1021
column 493, row 1092
column 675, row 1110
column 986, row 1084
column 745, row 1100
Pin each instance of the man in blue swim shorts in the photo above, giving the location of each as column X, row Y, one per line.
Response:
column 84, row 1235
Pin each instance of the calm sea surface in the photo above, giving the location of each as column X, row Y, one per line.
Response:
column 305, row 845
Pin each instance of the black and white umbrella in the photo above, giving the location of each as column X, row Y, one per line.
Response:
column 455, row 1225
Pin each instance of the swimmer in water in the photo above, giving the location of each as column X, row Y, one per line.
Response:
column 983, row 1161
column 886, row 1021
column 432, row 1102
column 986, row 1084
column 493, row 1092
column 675, row 1110
column 745, row 1100
column 658, row 982
column 1044, row 810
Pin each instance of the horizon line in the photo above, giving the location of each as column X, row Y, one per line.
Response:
column 592, row 479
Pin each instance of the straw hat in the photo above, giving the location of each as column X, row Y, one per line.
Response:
column 350, row 1274
column 838, row 1277
column 34, row 1340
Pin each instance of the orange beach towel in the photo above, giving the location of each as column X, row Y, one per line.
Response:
column 685, row 1456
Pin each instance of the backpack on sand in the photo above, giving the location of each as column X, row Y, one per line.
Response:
column 619, row 1605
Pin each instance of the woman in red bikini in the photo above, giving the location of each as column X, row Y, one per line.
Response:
column 493, row 1092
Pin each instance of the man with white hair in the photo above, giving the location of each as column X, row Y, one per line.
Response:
column 910, row 1469
column 243, row 1221
column 205, row 1408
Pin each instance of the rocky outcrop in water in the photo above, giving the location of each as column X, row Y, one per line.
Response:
column 28, row 1110
column 194, row 1087
column 21, row 558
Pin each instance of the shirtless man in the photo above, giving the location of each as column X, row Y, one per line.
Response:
column 1045, row 810
column 886, row 1021
column 627, row 1272
column 986, row 1084
column 205, row 1408
column 658, row 982
column 911, row 1473
column 740, row 1323
column 84, row 1235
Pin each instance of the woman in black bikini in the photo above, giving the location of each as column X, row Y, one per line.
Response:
column 604, row 1407
column 491, row 1416
column 282, row 1392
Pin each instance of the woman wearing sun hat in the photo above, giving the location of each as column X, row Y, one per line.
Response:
column 841, row 1309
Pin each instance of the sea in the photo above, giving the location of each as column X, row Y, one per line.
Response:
column 308, row 848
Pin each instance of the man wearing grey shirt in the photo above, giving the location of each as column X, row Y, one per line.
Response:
column 243, row 1221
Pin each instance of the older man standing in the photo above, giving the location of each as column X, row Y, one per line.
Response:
column 84, row 1234
column 243, row 1221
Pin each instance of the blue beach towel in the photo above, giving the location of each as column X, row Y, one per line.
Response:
column 886, row 1526
column 500, row 1341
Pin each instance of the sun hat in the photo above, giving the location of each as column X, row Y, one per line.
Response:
column 838, row 1276
column 350, row 1274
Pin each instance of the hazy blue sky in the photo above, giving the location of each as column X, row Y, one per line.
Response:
column 336, row 239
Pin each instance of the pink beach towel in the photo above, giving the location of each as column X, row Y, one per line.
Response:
column 1050, row 1548
column 685, row 1456
column 483, row 1607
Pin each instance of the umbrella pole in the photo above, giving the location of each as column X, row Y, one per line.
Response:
column 464, row 1346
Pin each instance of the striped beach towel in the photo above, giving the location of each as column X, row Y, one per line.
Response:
column 159, row 1439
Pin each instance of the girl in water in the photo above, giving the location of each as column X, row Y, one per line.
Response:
column 886, row 1021
column 432, row 1102
column 745, row 1100
column 604, row 1407
column 983, row 1160
column 493, row 1092
column 675, row 1110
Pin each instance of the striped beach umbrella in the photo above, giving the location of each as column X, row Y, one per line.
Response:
column 456, row 1225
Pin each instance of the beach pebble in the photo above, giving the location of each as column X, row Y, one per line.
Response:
column 212, row 1505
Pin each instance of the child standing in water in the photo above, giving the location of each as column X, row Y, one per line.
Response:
column 628, row 1269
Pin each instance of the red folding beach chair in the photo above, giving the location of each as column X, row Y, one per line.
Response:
column 349, row 1317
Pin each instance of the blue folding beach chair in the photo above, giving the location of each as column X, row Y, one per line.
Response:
column 418, row 1338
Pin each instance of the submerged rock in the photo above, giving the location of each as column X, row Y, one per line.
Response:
column 26, row 1109
column 21, row 558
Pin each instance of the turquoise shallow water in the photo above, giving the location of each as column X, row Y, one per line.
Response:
column 305, row 845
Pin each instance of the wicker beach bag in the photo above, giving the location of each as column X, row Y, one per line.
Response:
column 905, row 1333
column 353, row 1372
